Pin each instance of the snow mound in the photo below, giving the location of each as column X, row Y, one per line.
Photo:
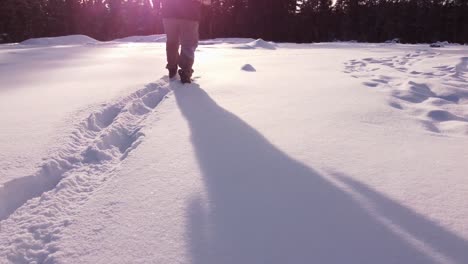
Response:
column 393, row 41
column 217, row 41
column 150, row 38
column 248, row 68
column 439, row 44
column 65, row 40
column 260, row 44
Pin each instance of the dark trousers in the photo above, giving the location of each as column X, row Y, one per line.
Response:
column 181, row 34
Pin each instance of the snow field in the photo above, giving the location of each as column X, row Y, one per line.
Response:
column 47, row 90
column 326, row 153
column 96, row 148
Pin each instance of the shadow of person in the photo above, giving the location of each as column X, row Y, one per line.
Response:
column 453, row 247
column 265, row 207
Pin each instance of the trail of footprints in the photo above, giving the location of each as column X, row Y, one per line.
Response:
column 34, row 209
column 437, row 97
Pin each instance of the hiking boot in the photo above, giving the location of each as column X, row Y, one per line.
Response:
column 185, row 76
column 172, row 73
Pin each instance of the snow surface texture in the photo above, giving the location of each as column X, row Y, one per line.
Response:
column 354, row 165
column 435, row 93
column 96, row 147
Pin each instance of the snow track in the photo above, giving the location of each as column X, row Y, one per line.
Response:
column 35, row 208
column 436, row 95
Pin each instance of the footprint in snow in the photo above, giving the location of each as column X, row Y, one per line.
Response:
column 443, row 116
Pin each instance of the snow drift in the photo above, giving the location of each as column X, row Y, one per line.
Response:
column 149, row 39
column 66, row 40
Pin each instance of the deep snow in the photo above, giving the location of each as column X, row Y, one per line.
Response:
column 323, row 153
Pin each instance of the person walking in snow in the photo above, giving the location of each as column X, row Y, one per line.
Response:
column 181, row 22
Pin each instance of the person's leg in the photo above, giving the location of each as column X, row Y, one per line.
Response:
column 172, row 29
column 189, row 42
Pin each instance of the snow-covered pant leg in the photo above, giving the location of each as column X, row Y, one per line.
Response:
column 189, row 41
column 172, row 29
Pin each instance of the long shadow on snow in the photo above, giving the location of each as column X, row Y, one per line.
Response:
column 443, row 241
column 265, row 207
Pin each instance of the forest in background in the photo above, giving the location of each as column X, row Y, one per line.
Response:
column 301, row 21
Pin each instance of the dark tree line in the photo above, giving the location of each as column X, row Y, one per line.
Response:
column 410, row 21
